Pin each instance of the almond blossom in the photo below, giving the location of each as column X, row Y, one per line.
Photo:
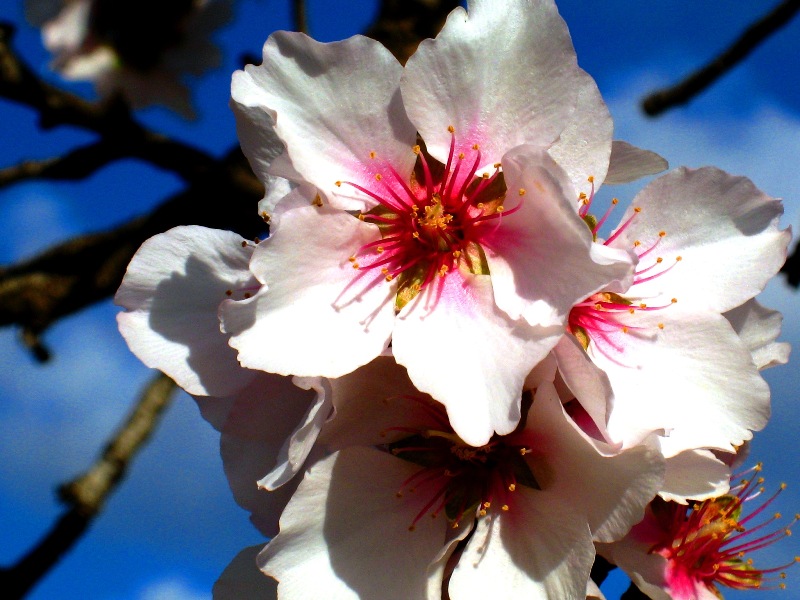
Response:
column 705, row 243
column 431, row 208
column 692, row 552
column 104, row 41
column 403, row 502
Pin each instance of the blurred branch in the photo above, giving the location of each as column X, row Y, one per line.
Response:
column 791, row 268
column 111, row 119
column 86, row 494
column 72, row 275
column 300, row 17
column 662, row 100
column 600, row 570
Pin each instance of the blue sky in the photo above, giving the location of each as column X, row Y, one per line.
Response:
column 172, row 526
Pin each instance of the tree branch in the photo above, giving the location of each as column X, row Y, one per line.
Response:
column 112, row 119
column 662, row 100
column 86, row 269
column 300, row 16
column 86, row 494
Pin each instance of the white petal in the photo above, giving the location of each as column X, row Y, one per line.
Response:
column 503, row 76
column 629, row 163
column 759, row 327
column 589, row 384
column 261, row 418
column 608, row 489
column 332, row 105
column 313, row 317
column 297, row 448
column 723, row 228
column 459, row 348
column 584, row 147
column 538, row 550
column 171, row 291
column 695, row 475
column 345, row 534
column 541, row 258
column 694, row 379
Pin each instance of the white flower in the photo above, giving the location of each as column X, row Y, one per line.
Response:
column 467, row 268
column 401, row 496
column 706, row 242
column 140, row 49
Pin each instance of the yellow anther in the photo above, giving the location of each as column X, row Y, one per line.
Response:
column 455, row 526
column 637, row 209
column 416, row 149
column 338, row 184
column 485, row 176
column 637, row 243
column 482, row 512
column 378, row 176
column 497, row 165
column 512, row 487
column 661, row 326
column 631, row 310
column 389, row 277
column 521, row 191
column 379, row 249
column 523, row 451
column 229, row 292
column 456, row 253
column 659, row 260
column 662, row 233
column 504, row 507
column 643, row 305
column 355, row 265
column 615, row 201
column 500, row 208
column 678, row 258
column 480, row 205
column 451, row 129
column 590, row 179
column 385, row 271
column 582, row 196
column 443, row 270
column 372, row 154
column 475, row 146
column 247, row 295
column 415, row 235
column 674, row 300
column 460, row 155
column 244, row 244
column 360, row 217
column 352, row 259
column 625, row 329
column 598, row 306
column 487, row 504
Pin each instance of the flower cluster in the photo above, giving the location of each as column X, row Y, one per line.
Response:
column 450, row 383
column 103, row 41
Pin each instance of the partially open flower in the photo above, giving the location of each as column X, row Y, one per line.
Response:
column 137, row 48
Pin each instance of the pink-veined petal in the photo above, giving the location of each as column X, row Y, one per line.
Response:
column 724, row 230
column 313, row 317
column 459, row 348
column 332, row 104
column 503, row 75
column 541, row 257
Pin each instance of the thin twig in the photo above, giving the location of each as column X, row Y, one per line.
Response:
column 661, row 100
column 300, row 17
column 633, row 593
column 86, row 494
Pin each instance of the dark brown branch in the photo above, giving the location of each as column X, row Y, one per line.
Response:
column 402, row 24
column 634, row 593
column 300, row 16
column 600, row 569
column 111, row 119
column 86, row 494
column 664, row 99
column 86, row 269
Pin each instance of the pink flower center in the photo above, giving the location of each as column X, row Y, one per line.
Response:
column 707, row 543
column 605, row 318
column 455, row 478
column 432, row 222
